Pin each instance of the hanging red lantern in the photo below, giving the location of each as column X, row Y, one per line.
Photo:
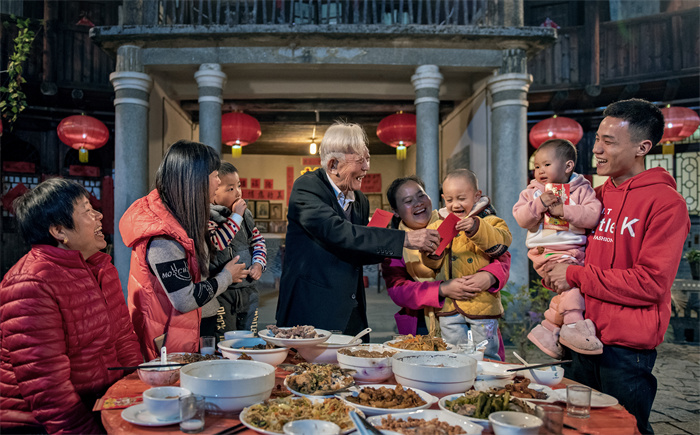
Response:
column 679, row 123
column 556, row 127
column 83, row 133
column 239, row 130
column 399, row 131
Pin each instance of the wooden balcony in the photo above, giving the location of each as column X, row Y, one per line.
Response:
column 657, row 47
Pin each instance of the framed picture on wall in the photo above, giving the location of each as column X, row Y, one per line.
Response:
column 278, row 227
column 276, row 211
column 251, row 206
column 262, row 209
column 375, row 201
column 262, row 226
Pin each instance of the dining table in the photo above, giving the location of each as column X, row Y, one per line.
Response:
column 613, row 420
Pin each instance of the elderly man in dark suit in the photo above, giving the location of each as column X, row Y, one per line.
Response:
column 328, row 240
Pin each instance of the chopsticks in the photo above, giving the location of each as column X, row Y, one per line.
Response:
column 536, row 366
column 153, row 366
column 240, row 427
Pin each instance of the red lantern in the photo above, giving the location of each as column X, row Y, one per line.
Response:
column 556, row 127
column 239, row 130
column 399, row 131
column 83, row 133
column 679, row 123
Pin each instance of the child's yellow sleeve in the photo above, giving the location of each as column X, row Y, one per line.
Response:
column 493, row 236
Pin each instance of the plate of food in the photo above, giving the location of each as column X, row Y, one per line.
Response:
column 295, row 336
column 526, row 390
column 477, row 405
column 598, row 399
column 432, row 420
column 420, row 343
column 318, row 380
column 385, row 399
column 269, row 416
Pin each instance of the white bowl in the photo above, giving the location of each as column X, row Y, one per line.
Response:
column 487, row 370
column 158, row 377
column 368, row 369
column 232, row 335
column 514, row 423
column 549, row 376
column 164, row 402
column 326, row 352
column 231, row 349
column 296, row 343
column 229, row 385
column 437, row 373
column 304, row 427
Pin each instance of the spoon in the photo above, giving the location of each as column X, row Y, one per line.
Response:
column 361, row 334
column 522, row 360
column 163, row 355
column 481, row 344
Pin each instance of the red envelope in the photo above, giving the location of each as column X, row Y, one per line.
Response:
column 380, row 218
column 447, row 232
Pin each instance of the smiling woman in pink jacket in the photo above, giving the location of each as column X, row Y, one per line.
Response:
column 63, row 318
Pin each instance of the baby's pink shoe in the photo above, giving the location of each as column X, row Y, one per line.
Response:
column 581, row 338
column 547, row 341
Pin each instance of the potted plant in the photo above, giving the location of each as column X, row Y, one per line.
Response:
column 693, row 257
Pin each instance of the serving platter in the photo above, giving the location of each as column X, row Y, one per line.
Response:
column 268, row 336
column 244, row 417
column 483, row 422
column 467, row 425
column 390, row 345
column 551, row 395
column 369, row 410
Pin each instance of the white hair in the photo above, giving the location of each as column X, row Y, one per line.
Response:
column 342, row 138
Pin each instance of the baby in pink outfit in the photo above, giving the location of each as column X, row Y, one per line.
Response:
column 564, row 323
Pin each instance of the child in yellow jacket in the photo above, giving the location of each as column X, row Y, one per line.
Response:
column 482, row 237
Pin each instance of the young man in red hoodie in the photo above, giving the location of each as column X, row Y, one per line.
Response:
column 631, row 259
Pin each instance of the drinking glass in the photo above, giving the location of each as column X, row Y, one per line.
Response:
column 192, row 413
column 578, row 401
column 553, row 418
column 206, row 345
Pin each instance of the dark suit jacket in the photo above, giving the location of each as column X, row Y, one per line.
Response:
column 322, row 272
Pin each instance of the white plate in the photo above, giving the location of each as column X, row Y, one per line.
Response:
column 492, row 370
column 266, row 335
column 598, row 399
column 310, row 396
column 369, row 410
column 428, row 414
column 481, row 422
column 243, row 415
column 138, row 414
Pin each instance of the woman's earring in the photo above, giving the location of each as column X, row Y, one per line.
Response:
column 65, row 241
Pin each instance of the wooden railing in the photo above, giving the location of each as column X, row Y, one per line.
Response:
column 300, row 12
column 664, row 46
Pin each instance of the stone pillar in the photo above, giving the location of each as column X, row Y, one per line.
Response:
column 426, row 83
column 509, row 160
column 132, row 89
column 210, row 80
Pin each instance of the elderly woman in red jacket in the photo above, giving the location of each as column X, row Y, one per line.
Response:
column 63, row 318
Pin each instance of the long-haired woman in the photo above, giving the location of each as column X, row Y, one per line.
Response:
column 167, row 230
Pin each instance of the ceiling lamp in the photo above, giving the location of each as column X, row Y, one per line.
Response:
column 556, row 127
column 399, row 131
column 679, row 123
column 239, row 130
column 313, row 148
column 82, row 133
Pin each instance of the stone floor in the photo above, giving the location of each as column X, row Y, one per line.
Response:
column 676, row 407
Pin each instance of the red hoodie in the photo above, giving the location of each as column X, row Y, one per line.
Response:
column 632, row 259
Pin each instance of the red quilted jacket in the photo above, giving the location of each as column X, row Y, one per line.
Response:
column 148, row 303
column 63, row 321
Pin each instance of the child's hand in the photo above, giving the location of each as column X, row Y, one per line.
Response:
column 255, row 271
column 465, row 224
column 556, row 210
column 237, row 270
column 548, row 198
column 239, row 206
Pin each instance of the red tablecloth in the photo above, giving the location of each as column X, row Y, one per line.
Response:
column 613, row 420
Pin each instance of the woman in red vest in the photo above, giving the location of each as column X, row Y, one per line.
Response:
column 167, row 231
